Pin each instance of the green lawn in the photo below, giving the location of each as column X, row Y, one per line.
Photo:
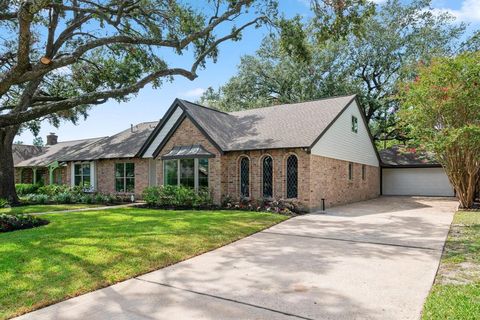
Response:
column 82, row 251
column 39, row 208
column 456, row 292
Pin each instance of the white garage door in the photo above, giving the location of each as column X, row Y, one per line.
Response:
column 416, row 182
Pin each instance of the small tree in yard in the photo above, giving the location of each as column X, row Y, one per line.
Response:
column 442, row 108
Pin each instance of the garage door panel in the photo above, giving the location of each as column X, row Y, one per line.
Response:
column 416, row 182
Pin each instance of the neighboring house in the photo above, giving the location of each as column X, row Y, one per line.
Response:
column 304, row 152
column 407, row 171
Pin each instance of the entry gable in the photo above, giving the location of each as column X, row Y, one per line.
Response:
column 348, row 138
column 171, row 118
column 186, row 134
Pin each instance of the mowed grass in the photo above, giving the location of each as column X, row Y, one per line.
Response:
column 41, row 208
column 82, row 251
column 456, row 292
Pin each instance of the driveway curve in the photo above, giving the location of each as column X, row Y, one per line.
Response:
column 374, row 259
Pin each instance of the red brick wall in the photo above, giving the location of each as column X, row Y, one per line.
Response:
column 231, row 173
column 105, row 171
column 187, row 134
column 329, row 180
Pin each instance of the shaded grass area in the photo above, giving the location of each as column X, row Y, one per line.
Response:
column 40, row 208
column 456, row 292
column 82, row 251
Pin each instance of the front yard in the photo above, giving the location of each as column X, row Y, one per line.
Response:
column 41, row 208
column 456, row 292
column 82, row 251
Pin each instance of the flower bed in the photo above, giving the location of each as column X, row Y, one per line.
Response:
column 10, row 222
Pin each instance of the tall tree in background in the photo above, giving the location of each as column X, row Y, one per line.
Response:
column 370, row 64
column 58, row 58
column 442, row 109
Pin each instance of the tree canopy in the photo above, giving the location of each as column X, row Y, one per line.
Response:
column 441, row 106
column 58, row 58
column 369, row 64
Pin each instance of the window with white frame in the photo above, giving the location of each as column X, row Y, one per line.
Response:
column 82, row 175
column 125, row 177
column 187, row 172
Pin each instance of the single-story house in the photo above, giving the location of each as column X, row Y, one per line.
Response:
column 303, row 151
column 411, row 172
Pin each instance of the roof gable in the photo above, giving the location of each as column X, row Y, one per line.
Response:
column 282, row 126
column 338, row 141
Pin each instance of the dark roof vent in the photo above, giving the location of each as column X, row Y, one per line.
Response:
column 52, row 139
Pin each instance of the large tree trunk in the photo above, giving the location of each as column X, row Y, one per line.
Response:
column 463, row 169
column 7, row 171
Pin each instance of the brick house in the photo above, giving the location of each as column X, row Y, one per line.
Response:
column 305, row 152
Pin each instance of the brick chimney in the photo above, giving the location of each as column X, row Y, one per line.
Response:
column 52, row 139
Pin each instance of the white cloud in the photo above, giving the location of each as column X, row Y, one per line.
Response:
column 194, row 93
column 469, row 11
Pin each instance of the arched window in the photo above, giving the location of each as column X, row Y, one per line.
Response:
column 292, row 176
column 267, row 170
column 245, row 177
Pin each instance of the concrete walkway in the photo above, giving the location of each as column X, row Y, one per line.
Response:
column 370, row 260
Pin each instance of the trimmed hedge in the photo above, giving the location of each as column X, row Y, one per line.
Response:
column 12, row 222
column 26, row 188
column 177, row 197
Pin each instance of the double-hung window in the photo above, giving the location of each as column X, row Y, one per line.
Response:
column 82, row 175
column 125, row 177
column 187, row 172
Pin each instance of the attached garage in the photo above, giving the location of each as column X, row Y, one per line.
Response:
column 426, row 181
column 410, row 172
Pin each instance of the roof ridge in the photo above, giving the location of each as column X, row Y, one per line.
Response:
column 67, row 141
column 292, row 103
column 208, row 108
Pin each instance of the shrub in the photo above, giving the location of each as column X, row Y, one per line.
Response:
column 64, row 197
column 37, row 198
column 4, row 203
column 10, row 222
column 176, row 197
column 151, row 195
column 53, row 189
column 282, row 206
column 26, row 188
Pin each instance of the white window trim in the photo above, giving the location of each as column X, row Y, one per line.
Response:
column 93, row 175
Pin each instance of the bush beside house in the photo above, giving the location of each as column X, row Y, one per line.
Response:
column 178, row 197
column 62, row 194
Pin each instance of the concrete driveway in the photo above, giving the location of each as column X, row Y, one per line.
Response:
column 369, row 260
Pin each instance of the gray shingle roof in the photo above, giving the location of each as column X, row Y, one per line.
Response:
column 402, row 156
column 125, row 144
column 281, row 126
column 56, row 152
column 22, row 152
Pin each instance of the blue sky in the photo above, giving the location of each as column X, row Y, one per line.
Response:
column 150, row 104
